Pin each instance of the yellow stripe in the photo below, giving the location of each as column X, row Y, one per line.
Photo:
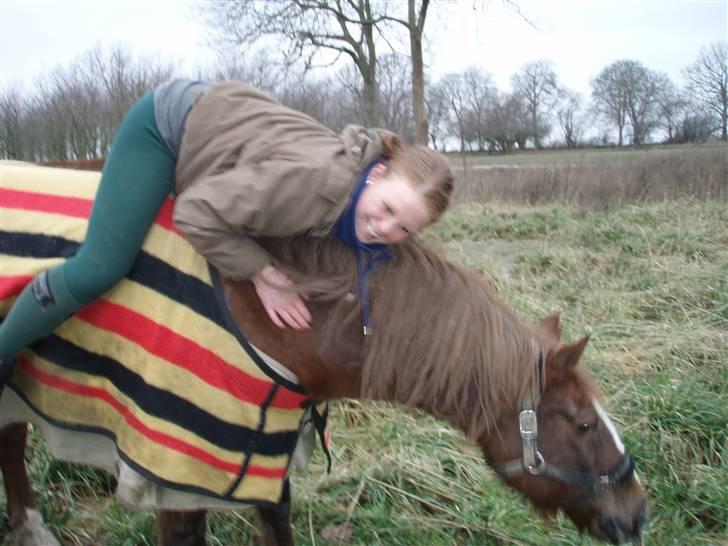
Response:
column 184, row 321
column 20, row 265
column 257, row 487
column 176, row 251
column 14, row 265
column 43, row 223
column 47, row 180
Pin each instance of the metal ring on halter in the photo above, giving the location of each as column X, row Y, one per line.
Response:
column 539, row 467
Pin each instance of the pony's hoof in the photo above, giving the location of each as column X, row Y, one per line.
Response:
column 33, row 531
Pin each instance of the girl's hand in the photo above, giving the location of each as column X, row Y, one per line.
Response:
column 283, row 305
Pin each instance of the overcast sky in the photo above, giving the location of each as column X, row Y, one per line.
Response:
column 580, row 36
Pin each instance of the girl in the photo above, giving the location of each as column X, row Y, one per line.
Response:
column 240, row 165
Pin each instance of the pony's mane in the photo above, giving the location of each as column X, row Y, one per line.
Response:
column 442, row 341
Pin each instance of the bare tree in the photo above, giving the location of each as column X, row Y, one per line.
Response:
column 643, row 100
column 438, row 114
column 568, row 113
column 48, row 105
column 415, row 25
column 708, row 83
column 537, row 83
column 344, row 27
column 352, row 94
column 395, row 83
column 694, row 127
column 258, row 69
column 626, row 91
column 453, row 88
column 74, row 111
column 12, row 120
column 121, row 82
column 480, row 96
column 508, row 123
column 609, row 99
column 671, row 108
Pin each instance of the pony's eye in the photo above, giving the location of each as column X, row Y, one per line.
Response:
column 585, row 427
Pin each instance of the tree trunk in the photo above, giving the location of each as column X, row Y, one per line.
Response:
column 422, row 129
column 371, row 100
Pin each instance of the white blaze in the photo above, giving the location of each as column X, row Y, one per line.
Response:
column 612, row 429
column 610, row 426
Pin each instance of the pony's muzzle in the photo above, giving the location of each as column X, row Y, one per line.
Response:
column 619, row 531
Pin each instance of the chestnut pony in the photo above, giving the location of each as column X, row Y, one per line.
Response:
column 443, row 342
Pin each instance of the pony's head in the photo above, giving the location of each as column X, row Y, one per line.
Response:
column 560, row 449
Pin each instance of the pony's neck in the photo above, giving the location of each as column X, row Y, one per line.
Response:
column 469, row 383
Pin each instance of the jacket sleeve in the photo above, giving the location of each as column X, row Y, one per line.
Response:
column 205, row 214
column 220, row 213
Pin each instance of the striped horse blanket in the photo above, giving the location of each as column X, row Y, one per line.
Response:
column 156, row 368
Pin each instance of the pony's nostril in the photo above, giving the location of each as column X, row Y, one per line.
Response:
column 610, row 529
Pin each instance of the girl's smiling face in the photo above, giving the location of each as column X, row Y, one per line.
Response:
column 389, row 209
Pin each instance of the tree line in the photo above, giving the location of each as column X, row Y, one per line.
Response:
column 72, row 112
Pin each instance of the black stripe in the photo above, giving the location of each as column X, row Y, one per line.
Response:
column 163, row 404
column 185, row 289
column 147, row 270
column 31, row 245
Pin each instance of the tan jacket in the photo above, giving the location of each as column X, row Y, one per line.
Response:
column 249, row 166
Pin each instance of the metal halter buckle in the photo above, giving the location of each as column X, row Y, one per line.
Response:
column 528, row 424
column 532, row 460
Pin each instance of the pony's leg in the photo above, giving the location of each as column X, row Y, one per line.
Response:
column 275, row 523
column 17, row 486
column 181, row 528
column 25, row 521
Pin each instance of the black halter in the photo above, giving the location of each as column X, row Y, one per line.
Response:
column 533, row 463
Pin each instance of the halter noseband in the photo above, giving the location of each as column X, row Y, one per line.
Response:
column 533, row 463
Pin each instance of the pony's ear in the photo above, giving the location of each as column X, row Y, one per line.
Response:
column 567, row 356
column 551, row 325
column 391, row 143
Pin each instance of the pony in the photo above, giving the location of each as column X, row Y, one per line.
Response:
column 442, row 342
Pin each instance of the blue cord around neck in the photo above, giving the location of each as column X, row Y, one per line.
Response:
column 367, row 256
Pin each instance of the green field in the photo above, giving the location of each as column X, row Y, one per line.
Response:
column 648, row 279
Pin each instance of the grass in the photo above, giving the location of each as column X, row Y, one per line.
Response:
column 647, row 280
column 602, row 179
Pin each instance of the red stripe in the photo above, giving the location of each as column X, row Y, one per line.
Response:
column 64, row 385
column 12, row 285
column 164, row 217
column 185, row 353
column 75, row 207
column 41, row 202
